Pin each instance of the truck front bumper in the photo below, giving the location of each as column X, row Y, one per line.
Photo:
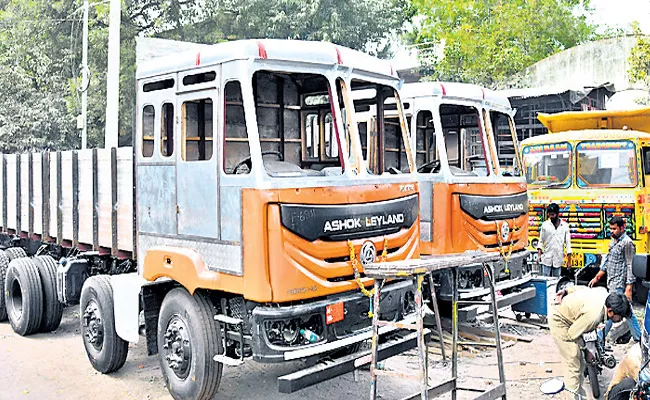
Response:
column 267, row 322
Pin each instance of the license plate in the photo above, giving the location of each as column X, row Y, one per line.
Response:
column 577, row 260
column 590, row 336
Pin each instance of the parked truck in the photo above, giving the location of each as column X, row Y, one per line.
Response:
column 595, row 166
column 472, row 189
column 236, row 227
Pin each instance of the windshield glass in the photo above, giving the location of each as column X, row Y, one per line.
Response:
column 382, row 127
column 548, row 165
column 464, row 140
column 505, row 137
column 297, row 132
column 606, row 164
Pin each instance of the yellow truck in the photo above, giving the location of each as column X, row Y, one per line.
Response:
column 595, row 165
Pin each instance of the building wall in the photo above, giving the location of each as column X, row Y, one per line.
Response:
column 590, row 64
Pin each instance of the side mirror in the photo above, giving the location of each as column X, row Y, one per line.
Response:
column 552, row 386
column 640, row 267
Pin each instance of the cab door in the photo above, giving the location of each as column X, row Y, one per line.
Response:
column 196, row 164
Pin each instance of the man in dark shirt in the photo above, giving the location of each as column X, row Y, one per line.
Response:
column 618, row 266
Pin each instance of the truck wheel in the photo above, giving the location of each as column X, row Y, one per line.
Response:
column 4, row 264
column 188, row 339
column 105, row 349
column 24, row 296
column 52, row 309
column 15, row 252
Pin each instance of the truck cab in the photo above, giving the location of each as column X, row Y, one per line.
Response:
column 593, row 165
column 256, row 209
column 472, row 189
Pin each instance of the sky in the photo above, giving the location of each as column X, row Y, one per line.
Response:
column 621, row 13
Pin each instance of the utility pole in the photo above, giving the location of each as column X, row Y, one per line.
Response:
column 84, row 80
column 113, row 76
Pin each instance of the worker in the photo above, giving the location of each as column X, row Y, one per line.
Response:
column 618, row 267
column 580, row 310
column 555, row 236
column 625, row 375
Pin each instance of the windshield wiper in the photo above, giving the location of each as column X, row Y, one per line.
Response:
column 551, row 185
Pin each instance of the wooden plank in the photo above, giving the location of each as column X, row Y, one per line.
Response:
column 404, row 268
column 105, row 198
column 124, row 182
column 85, row 197
column 484, row 332
column 11, row 195
column 512, row 321
column 37, row 194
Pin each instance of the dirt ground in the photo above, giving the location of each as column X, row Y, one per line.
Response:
column 54, row 366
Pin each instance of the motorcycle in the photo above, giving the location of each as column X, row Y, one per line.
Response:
column 596, row 356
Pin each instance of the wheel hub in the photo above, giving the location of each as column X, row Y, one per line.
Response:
column 178, row 351
column 93, row 325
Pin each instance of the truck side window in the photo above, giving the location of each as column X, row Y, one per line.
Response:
column 646, row 166
column 197, row 130
column 425, row 142
column 167, row 130
column 148, row 118
column 236, row 149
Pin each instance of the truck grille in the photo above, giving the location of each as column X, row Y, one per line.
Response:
column 586, row 221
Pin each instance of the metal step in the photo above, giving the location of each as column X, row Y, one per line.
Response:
column 225, row 360
column 327, row 370
column 228, row 320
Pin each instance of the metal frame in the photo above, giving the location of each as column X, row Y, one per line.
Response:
column 417, row 270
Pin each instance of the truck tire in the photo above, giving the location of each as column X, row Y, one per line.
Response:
column 188, row 339
column 4, row 264
column 15, row 252
column 24, row 296
column 52, row 309
column 105, row 349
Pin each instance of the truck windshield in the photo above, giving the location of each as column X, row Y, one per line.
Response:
column 381, row 126
column 606, row 164
column 505, row 137
column 297, row 130
column 548, row 165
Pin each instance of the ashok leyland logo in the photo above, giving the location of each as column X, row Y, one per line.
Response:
column 505, row 231
column 368, row 253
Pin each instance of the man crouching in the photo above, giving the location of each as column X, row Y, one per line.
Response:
column 580, row 310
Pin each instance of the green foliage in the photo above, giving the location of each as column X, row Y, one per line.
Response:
column 40, row 52
column 487, row 41
column 640, row 59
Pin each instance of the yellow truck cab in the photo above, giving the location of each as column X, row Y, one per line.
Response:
column 595, row 165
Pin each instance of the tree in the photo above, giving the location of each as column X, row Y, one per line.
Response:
column 487, row 41
column 40, row 52
column 640, row 62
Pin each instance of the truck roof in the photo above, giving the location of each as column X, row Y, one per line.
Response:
column 269, row 49
column 638, row 120
column 454, row 90
column 586, row 134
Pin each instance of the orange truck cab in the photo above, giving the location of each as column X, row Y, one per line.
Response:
column 472, row 189
column 256, row 212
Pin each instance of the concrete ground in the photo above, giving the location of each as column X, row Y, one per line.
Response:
column 54, row 366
